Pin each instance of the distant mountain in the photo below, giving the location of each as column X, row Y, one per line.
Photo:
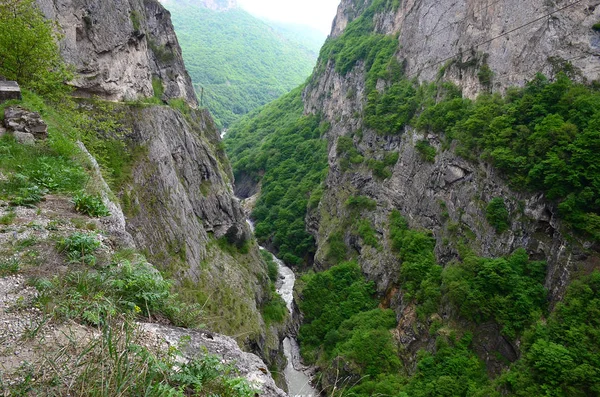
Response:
column 309, row 38
column 215, row 5
column 237, row 62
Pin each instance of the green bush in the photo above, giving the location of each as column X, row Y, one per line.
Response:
column 28, row 49
column 90, row 205
column 275, row 310
column 560, row 354
column 360, row 203
column 426, row 151
column 337, row 249
column 272, row 268
column 328, row 299
column 509, row 290
column 367, row 233
column 497, row 214
column 420, row 275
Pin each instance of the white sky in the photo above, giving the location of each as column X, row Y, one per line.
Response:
column 318, row 14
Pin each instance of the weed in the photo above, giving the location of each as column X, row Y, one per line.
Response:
column 25, row 243
column 9, row 267
column 80, row 247
column 90, row 205
column 28, row 196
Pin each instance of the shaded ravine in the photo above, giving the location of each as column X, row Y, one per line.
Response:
column 297, row 380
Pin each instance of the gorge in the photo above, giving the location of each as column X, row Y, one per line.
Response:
column 431, row 192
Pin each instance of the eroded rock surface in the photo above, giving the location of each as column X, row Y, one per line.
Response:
column 119, row 47
column 197, row 342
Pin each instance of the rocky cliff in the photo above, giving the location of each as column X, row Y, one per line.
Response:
column 119, row 48
column 178, row 198
column 516, row 39
column 449, row 41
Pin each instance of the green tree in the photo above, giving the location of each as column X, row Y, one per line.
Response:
column 28, row 48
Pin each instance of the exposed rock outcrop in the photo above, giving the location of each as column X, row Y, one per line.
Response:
column 198, row 342
column 119, row 48
column 179, row 202
column 26, row 126
column 515, row 38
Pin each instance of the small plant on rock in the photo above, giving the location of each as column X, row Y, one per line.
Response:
column 497, row 214
column 90, row 205
column 80, row 247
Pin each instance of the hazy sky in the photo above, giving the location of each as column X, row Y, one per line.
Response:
column 315, row 13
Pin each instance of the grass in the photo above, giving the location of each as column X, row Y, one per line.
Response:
column 8, row 218
column 119, row 363
column 9, row 267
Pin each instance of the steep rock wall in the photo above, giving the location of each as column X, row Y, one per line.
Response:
column 516, row 38
column 448, row 196
column 118, row 47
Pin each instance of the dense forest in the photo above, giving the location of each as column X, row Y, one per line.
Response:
column 542, row 137
column 238, row 62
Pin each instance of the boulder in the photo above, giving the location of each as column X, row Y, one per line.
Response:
column 19, row 120
column 24, row 138
column 200, row 342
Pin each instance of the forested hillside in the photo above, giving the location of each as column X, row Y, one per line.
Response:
column 237, row 60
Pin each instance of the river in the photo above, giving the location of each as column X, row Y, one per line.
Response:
column 297, row 380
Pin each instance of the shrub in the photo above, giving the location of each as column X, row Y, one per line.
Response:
column 337, row 249
column 80, row 247
column 272, row 268
column 367, row 233
column 508, row 290
column 274, row 310
column 360, row 203
column 331, row 297
column 28, row 48
column 90, row 205
column 426, row 151
column 497, row 214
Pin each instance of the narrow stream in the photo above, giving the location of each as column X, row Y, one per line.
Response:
column 298, row 382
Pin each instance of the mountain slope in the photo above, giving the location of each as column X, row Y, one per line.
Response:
column 472, row 215
column 236, row 60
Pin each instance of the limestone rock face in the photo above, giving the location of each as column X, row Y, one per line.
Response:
column 449, row 195
column 119, row 47
column 250, row 366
